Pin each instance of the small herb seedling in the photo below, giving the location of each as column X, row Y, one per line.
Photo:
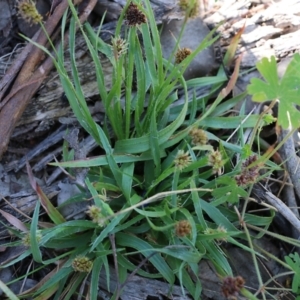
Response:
column 285, row 90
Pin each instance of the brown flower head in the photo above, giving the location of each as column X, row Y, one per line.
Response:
column 248, row 174
column 181, row 54
column 183, row 228
column 82, row 264
column 28, row 12
column 134, row 16
column 232, row 286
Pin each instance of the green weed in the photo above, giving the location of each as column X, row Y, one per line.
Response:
column 169, row 186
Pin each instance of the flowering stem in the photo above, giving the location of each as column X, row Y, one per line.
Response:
column 174, row 188
column 247, row 294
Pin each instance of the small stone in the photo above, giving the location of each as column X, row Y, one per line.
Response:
column 5, row 18
column 195, row 31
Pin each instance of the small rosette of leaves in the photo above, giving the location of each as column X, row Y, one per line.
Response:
column 285, row 90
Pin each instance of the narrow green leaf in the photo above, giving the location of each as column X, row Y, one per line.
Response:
column 104, row 207
column 8, row 292
column 140, row 145
column 17, row 259
column 183, row 276
column 154, row 214
column 122, row 260
column 154, row 144
column 141, row 88
column 102, row 160
column 127, row 178
column 216, row 215
column 106, row 231
column 48, row 293
column 60, row 275
column 159, row 263
column 34, row 243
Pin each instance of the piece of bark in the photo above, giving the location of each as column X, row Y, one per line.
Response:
column 284, row 210
column 5, row 19
column 292, row 164
column 270, row 28
column 205, row 61
column 140, row 288
column 28, row 81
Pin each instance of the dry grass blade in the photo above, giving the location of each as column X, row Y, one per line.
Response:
column 14, row 221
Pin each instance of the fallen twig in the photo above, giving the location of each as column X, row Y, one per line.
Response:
column 283, row 209
column 291, row 159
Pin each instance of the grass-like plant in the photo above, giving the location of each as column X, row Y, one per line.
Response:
column 159, row 190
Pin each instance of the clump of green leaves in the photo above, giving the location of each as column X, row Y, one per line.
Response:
column 153, row 190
